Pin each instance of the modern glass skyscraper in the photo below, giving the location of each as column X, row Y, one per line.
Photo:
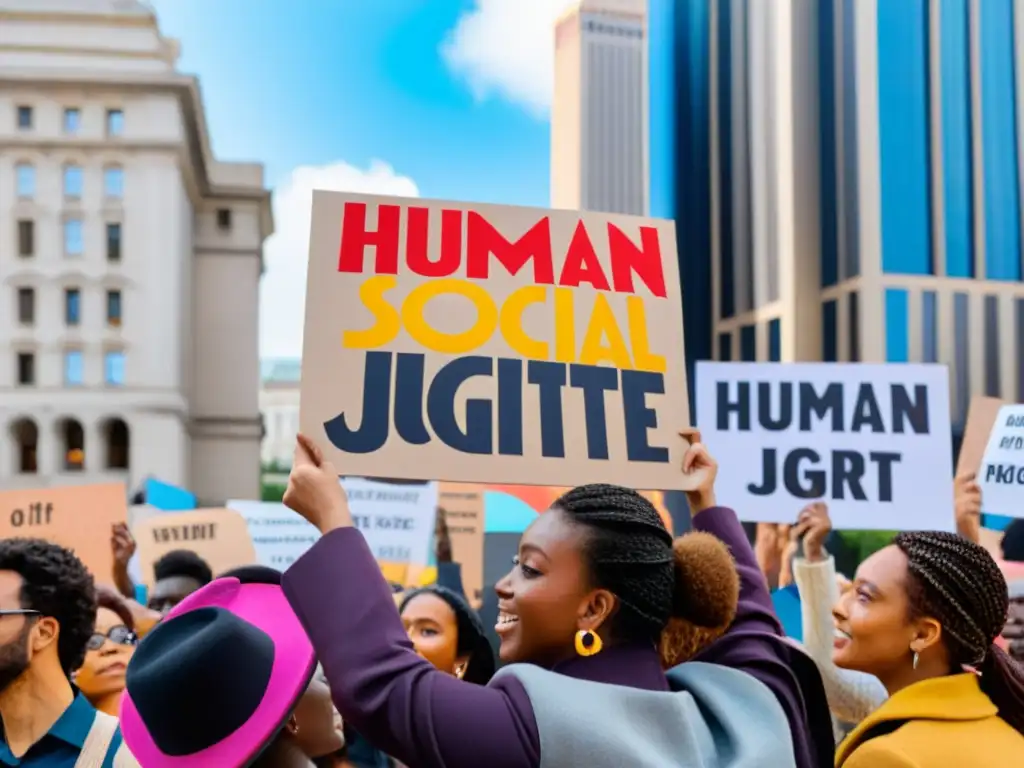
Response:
column 846, row 180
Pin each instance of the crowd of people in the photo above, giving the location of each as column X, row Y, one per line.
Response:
column 613, row 645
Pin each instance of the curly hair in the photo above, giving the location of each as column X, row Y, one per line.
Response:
column 183, row 562
column 58, row 585
column 957, row 582
column 629, row 552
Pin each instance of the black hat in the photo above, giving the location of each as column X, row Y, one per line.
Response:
column 214, row 682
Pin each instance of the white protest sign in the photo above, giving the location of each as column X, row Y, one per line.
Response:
column 871, row 440
column 279, row 535
column 397, row 521
column 1001, row 476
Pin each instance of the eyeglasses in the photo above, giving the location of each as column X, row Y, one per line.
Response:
column 119, row 635
column 18, row 612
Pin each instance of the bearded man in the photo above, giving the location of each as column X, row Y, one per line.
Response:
column 47, row 616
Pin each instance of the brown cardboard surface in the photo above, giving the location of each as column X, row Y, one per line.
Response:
column 341, row 333
column 981, row 416
column 78, row 517
column 219, row 536
column 463, row 504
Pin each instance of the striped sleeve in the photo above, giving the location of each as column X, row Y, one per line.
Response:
column 118, row 755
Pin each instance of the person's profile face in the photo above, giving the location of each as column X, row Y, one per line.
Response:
column 15, row 630
column 873, row 629
column 107, row 655
column 319, row 730
column 541, row 599
column 433, row 629
column 167, row 593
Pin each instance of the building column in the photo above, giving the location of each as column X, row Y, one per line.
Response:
column 48, row 446
column 869, row 194
column 8, row 450
column 95, row 446
column 797, row 188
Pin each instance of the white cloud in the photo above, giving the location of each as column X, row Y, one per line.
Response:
column 283, row 288
column 507, row 48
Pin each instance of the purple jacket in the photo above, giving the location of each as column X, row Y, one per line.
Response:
column 427, row 718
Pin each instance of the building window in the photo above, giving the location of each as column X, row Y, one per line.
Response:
column 25, row 178
column 774, row 340
column 897, row 345
column 24, row 118
column 72, row 181
column 725, row 347
column 26, row 306
column 828, row 331
column 114, row 308
column 72, row 120
column 74, row 375
column 72, row 306
column 853, row 328
column 993, row 386
column 26, row 238
column 224, row 218
column 118, row 443
column 113, row 242
column 961, row 357
column 113, row 183
column 748, row 343
column 26, row 438
column 113, row 369
column 115, row 122
column 26, row 369
column 73, row 237
column 929, row 327
column 72, row 445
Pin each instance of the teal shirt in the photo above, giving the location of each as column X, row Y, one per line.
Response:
column 60, row 747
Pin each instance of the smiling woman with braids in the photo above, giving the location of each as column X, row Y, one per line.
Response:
column 597, row 589
column 923, row 617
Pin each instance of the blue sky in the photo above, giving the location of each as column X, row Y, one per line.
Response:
column 442, row 98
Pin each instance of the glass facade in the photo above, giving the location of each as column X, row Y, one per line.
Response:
column 914, row 241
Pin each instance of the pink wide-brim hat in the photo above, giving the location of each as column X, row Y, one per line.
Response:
column 265, row 607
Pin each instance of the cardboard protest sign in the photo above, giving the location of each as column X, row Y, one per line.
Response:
column 464, row 510
column 219, row 536
column 483, row 343
column 77, row 517
column 981, row 417
column 872, row 441
column 1001, row 475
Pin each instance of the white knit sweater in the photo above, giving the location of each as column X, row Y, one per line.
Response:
column 851, row 695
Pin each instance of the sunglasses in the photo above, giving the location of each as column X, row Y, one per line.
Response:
column 18, row 612
column 119, row 635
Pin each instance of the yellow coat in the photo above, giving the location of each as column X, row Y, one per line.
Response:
column 952, row 724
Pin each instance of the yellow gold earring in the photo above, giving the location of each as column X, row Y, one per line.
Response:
column 588, row 643
column 460, row 670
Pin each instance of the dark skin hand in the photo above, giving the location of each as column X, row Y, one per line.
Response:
column 122, row 544
column 699, row 463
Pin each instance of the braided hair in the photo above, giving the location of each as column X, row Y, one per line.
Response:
column 959, row 584
column 629, row 552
